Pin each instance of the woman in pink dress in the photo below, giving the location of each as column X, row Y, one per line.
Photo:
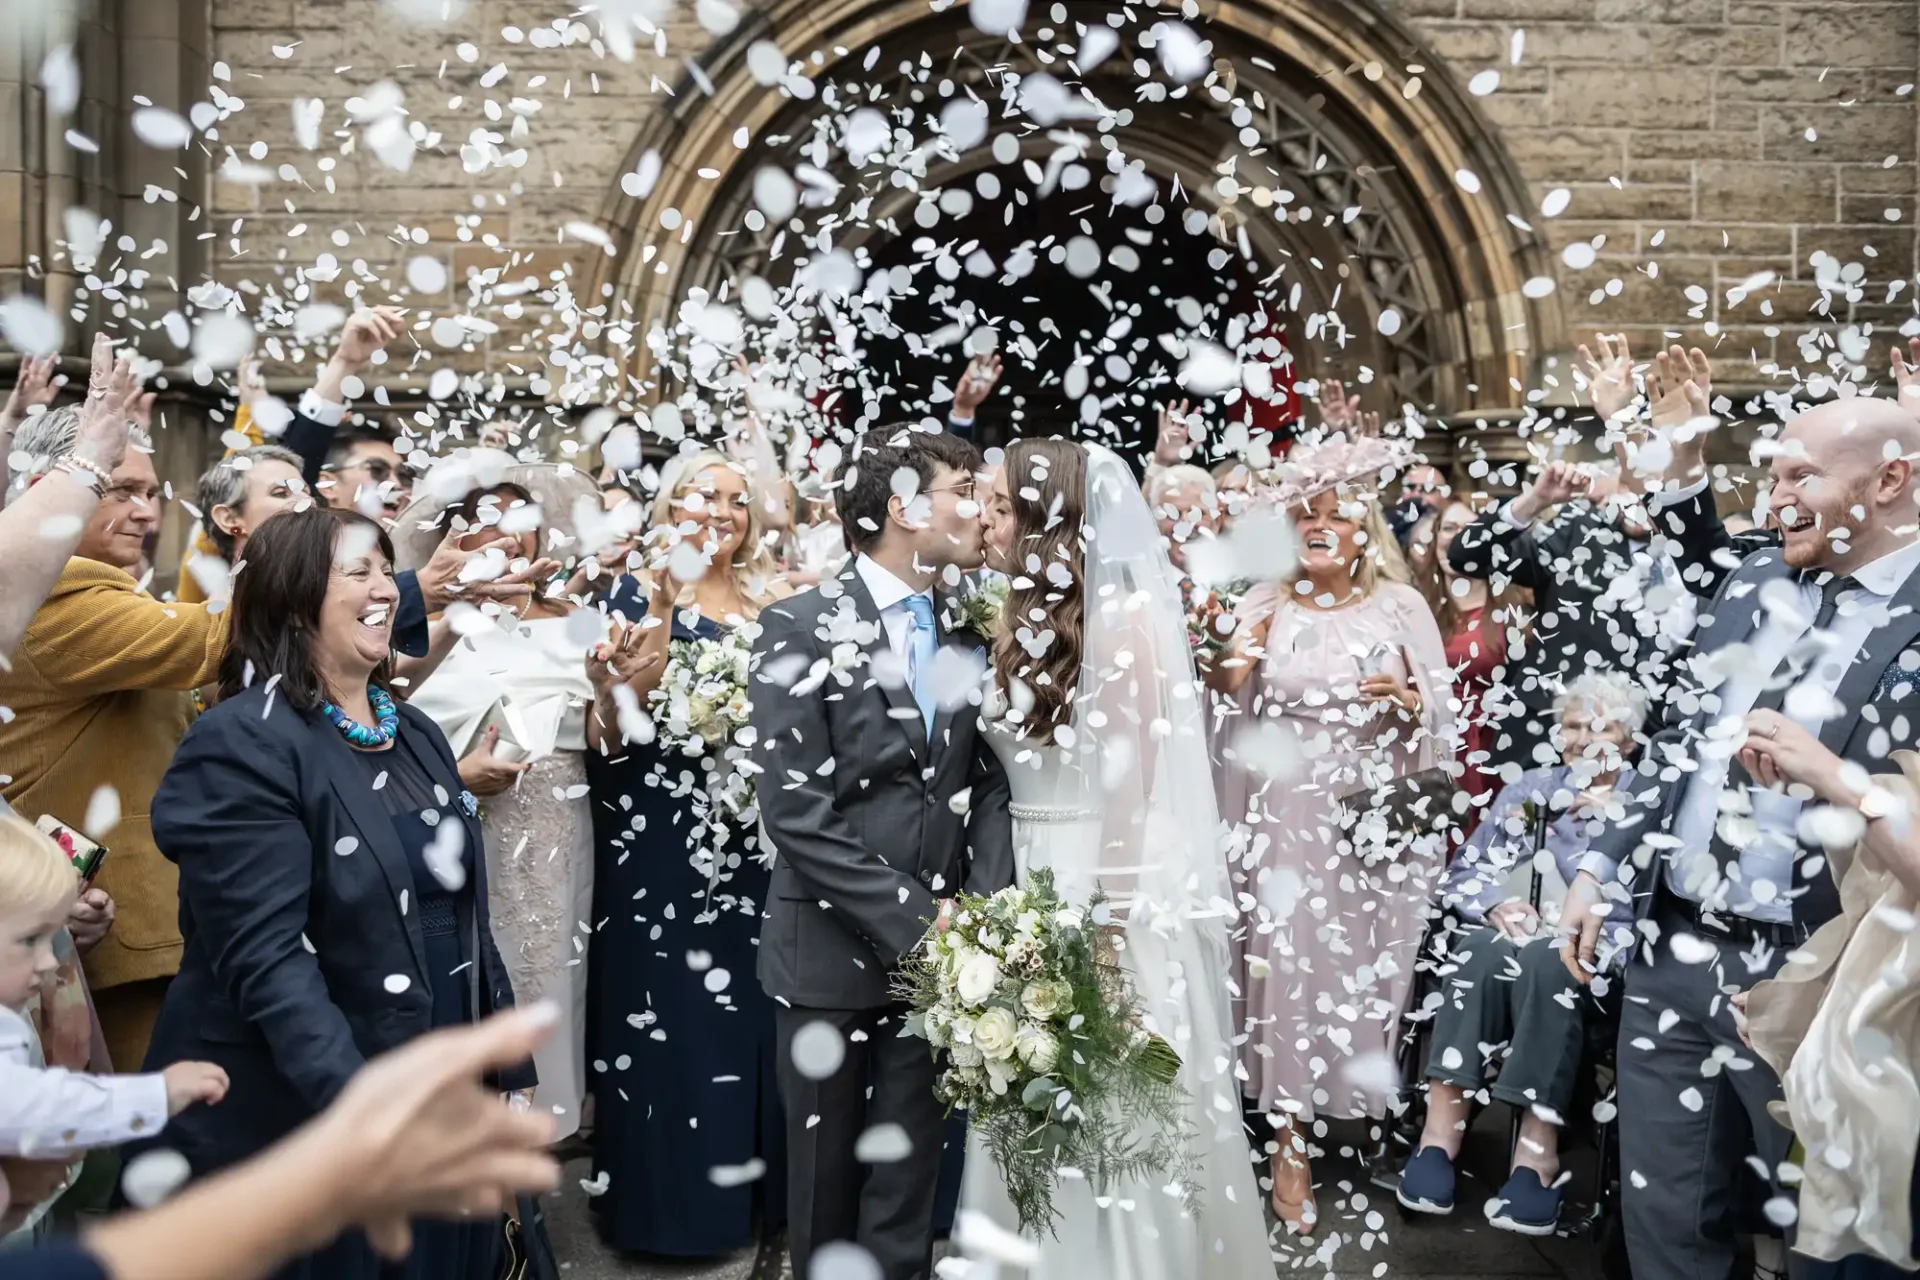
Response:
column 1341, row 681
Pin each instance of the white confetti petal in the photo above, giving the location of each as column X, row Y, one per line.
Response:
column 29, row 327
column 161, row 128
column 818, row 1049
column 152, row 1176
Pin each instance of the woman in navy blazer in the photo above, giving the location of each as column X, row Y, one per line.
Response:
column 332, row 888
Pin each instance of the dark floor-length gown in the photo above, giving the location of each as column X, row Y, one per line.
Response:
column 441, row 1250
column 687, row 1120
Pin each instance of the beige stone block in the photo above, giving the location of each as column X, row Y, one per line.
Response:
column 1640, row 301
column 232, row 14
column 1840, row 133
column 1717, row 241
column 1467, row 42
column 1785, row 84
column 1853, row 35
column 1530, row 10
column 1670, row 144
column 1641, row 97
column 1606, row 202
column 1517, row 110
column 1738, row 192
column 1889, row 242
column 1864, row 209
column 1658, row 173
column 1567, row 155
column 1877, row 179
column 1693, row 11
column 1427, row 8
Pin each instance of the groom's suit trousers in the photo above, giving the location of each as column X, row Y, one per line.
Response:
column 885, row 1207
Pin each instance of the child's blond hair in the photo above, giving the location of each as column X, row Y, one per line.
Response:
column 36, row 877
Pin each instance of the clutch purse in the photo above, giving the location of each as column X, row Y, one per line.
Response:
column 1379, row 822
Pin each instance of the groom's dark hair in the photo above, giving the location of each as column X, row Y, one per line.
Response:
column 867, row 484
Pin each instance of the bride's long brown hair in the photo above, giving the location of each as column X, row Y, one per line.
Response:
column 1047, row 482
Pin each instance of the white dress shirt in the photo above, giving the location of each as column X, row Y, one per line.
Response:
column 47, row 1113
column 889, row 597
column 1763, row 878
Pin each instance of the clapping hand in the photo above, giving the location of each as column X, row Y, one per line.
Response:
column 440, row 583
column 976, row 384
column 1680, row 385
column 1338, row 410
column 35, row 388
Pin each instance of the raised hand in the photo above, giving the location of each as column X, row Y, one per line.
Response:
column 1170, row 445
column 112, row 392
column 35, row 388
column 1557, row 482
column 366, row 333
column 1906, row 376
column 1609, row 376
column 1338, row 409
column 976, row 384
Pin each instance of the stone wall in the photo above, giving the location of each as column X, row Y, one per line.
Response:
column 1703, row 143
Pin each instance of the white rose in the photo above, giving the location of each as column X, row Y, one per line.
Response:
column 1043, row 1000
column 994, row 1034
column 965, row 1055
column 1038, row 1049
column 978, row 978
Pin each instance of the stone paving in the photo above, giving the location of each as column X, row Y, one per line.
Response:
column 1366, row 1235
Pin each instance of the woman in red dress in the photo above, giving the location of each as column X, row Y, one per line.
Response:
column 1474, row 623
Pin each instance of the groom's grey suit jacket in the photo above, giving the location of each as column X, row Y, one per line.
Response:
column 860, row 803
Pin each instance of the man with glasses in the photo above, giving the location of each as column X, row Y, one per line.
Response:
column 365, row 473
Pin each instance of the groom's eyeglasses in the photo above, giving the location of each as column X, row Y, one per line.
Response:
column 964, row 489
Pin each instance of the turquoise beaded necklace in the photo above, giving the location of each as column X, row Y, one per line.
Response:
column 358, row 734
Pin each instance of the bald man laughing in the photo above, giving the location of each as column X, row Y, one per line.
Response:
column 1802, row 667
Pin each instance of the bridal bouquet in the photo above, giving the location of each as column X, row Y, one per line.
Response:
column 699, row 709
column 1040, row 1039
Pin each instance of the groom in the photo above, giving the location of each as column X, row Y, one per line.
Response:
column 882, row 802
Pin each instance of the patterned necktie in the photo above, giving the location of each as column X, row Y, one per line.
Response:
column 921, row 642
column 1774, row 697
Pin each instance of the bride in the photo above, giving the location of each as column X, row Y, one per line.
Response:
column 1093, row 712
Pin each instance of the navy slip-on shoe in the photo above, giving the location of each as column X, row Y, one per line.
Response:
column 1525, row 1205
column 1426, row 1184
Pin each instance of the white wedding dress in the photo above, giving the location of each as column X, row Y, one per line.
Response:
column 1127, row 807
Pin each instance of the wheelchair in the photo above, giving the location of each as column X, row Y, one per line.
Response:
column 1593, row 1211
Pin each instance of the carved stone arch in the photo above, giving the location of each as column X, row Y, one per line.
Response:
column 1327, row 89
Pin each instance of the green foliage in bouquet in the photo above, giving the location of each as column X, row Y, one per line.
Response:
column 1039, row 1036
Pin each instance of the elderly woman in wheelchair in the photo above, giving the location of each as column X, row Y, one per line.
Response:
column 1510, row 1010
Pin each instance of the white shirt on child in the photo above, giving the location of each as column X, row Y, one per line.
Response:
column 48, row 1113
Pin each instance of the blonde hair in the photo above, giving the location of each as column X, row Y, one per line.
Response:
column 36, row 878
column 1380, row 557
column 754, row 567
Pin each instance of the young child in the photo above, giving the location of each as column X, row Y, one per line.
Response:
column 48, row 1113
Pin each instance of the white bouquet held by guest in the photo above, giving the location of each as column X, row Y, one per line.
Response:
column 701, row 709
column 1041, row 1035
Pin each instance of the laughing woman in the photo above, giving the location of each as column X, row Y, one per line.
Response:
column 682, row 1037
column 333, row 888
column 1340, row 669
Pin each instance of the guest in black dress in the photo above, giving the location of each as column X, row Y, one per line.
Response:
column 332, row 888
column 688, row 1128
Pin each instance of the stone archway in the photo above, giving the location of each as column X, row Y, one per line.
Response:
column 1352, row 139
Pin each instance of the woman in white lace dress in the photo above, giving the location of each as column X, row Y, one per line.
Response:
column 1093, row 709
column 511, row 697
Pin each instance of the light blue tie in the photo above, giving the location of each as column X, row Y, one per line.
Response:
column 921, row 643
